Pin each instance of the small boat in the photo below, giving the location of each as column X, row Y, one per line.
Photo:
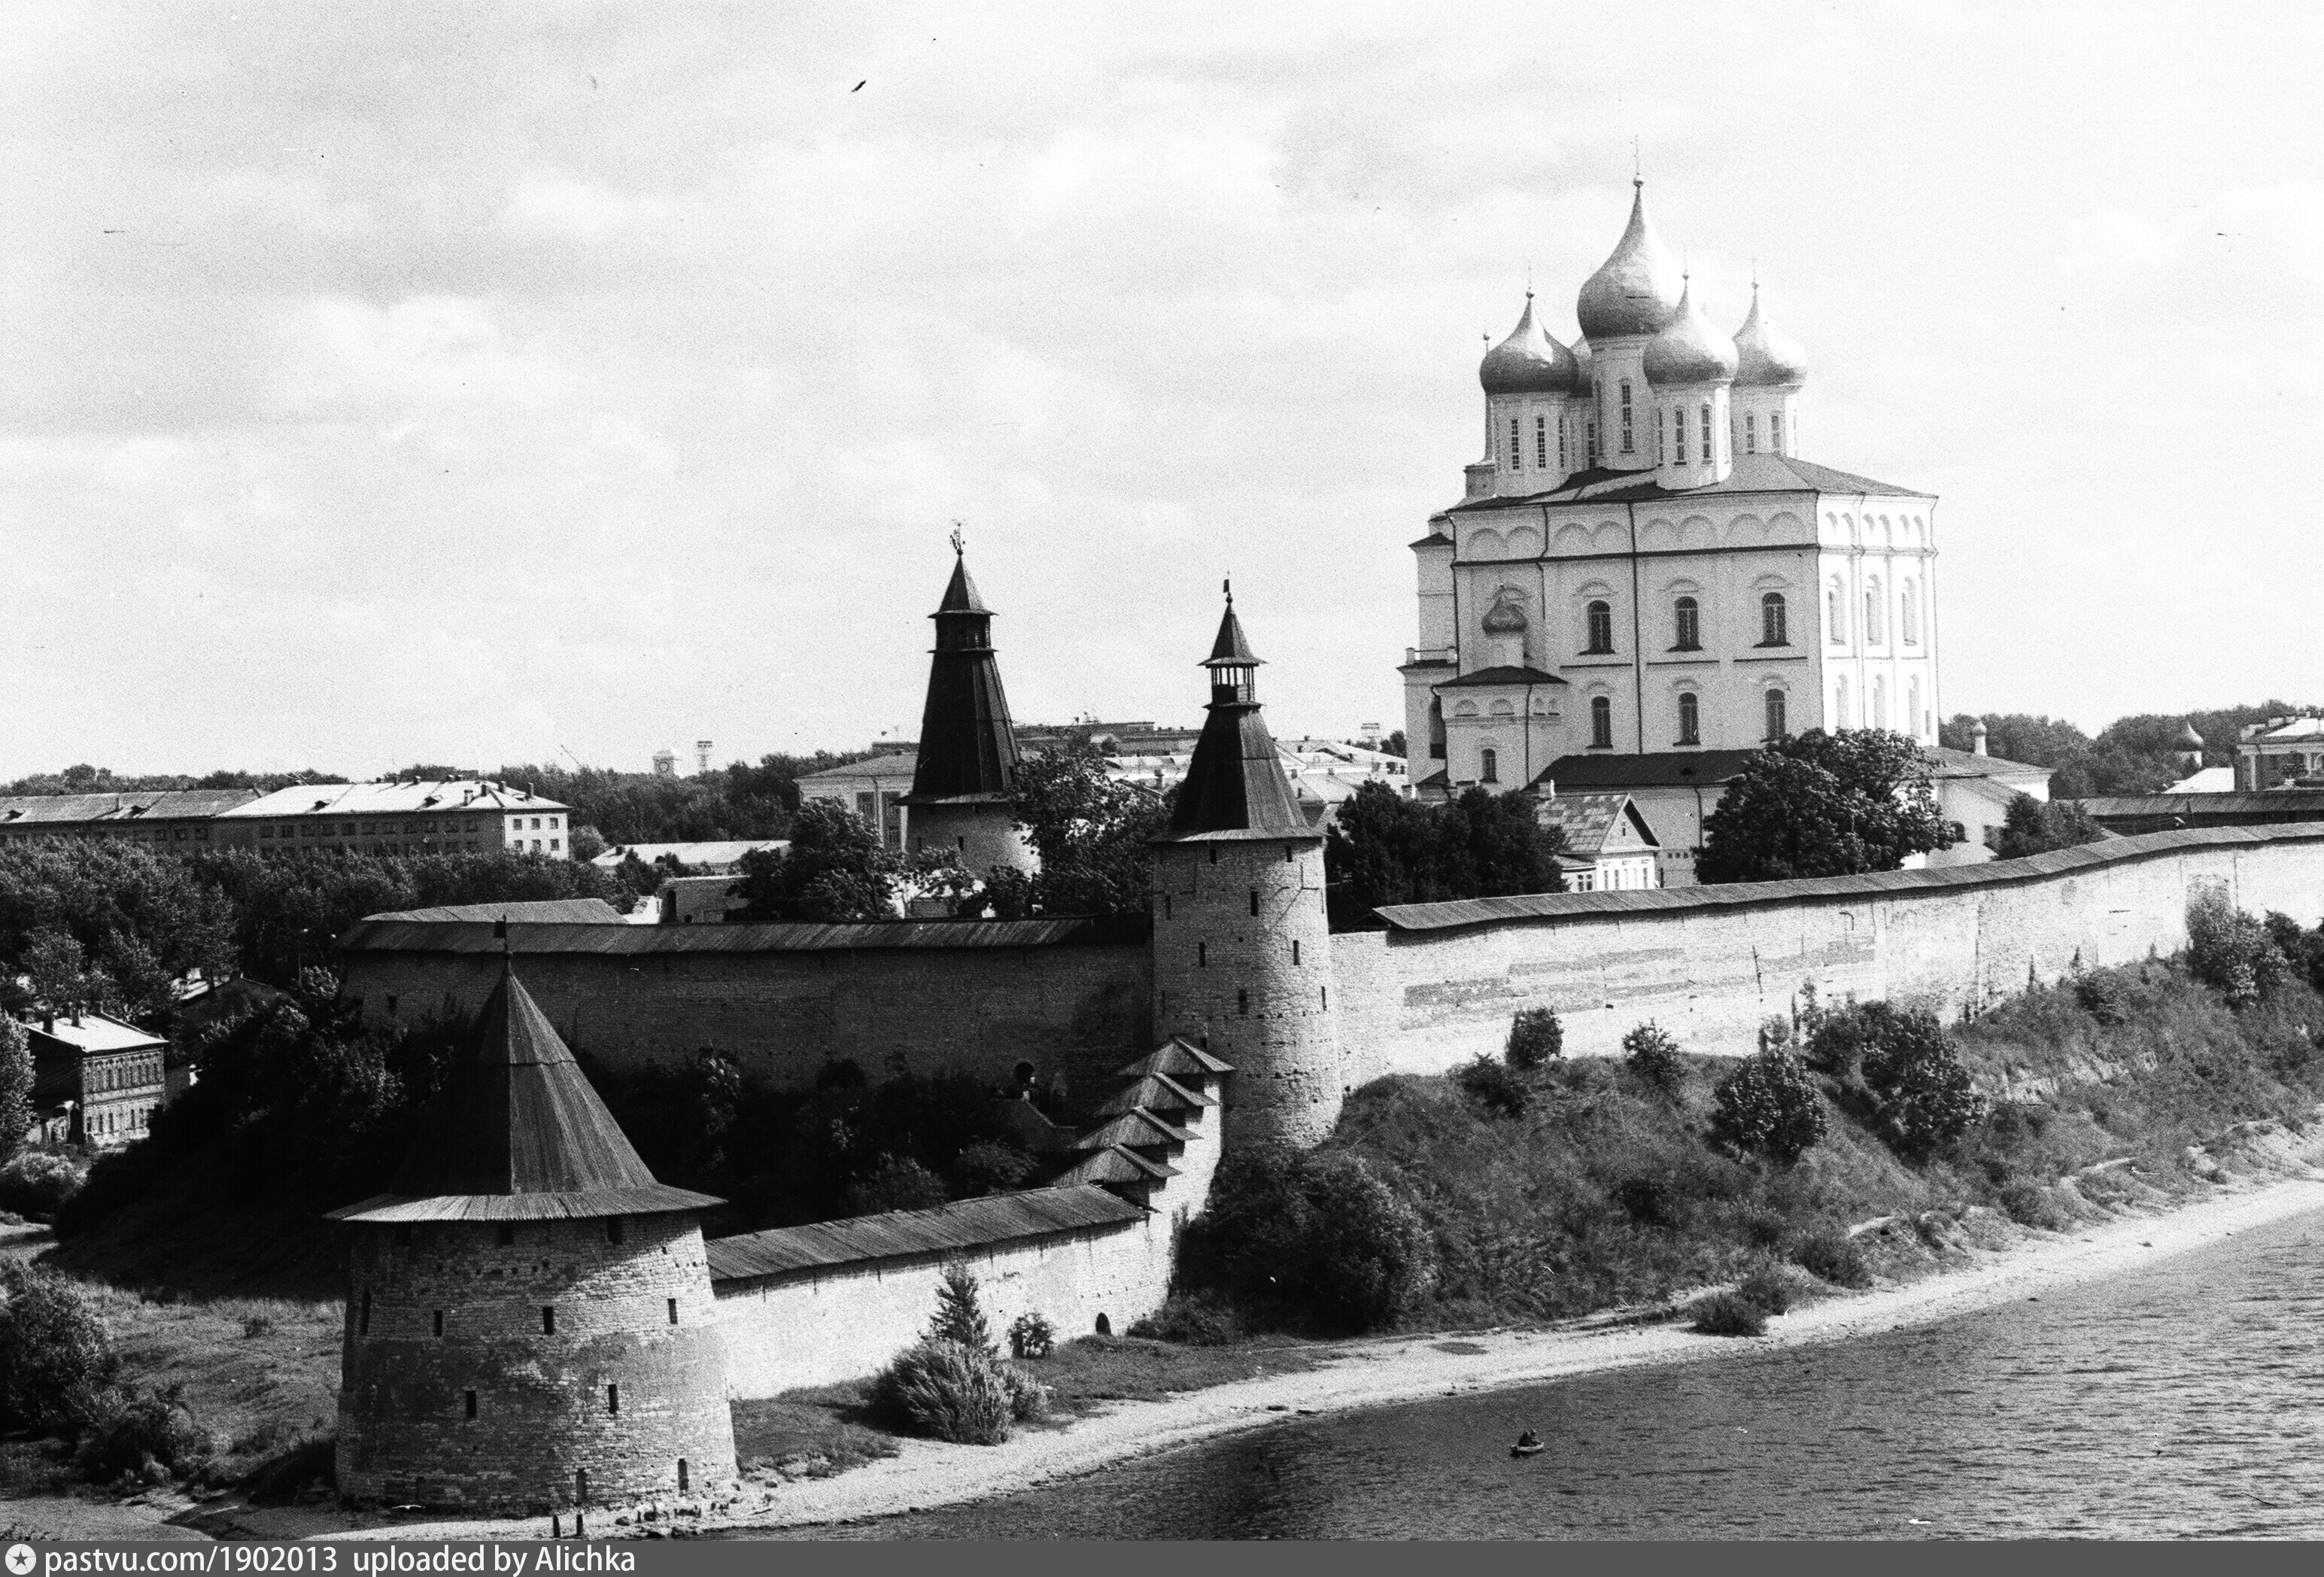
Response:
column 1528, row 1444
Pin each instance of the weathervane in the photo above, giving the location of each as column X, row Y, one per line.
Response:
column 959, row 542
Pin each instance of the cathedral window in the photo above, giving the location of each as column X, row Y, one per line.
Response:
column 1913, row 704
column 1690, row 625
column 1491, row 771
column 1775, row 623
column 1628, row 444
column 1678, row 435
column 1690, row 718
column 1777, row 726
column 1601, row 628
column 1541, row 443
column 1662, row 441
column 1602, row 723
column 1879, row 718
column 1873, row 632
column 1562, row 463
column 1516, row 453
column 1750, row 432
column 1836, row 613
column 1775, row 431
column 1435, row 730
column 1707, row 457
column 1908, row 616
column 1840, row 703
column 1593, row 443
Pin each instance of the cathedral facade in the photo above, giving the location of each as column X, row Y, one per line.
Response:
column 1643, row 566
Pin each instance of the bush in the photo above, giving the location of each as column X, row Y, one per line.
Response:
column 1649, row 1201
column 1652, row 1055
column 2029, row 1204
column 1535, row 1037
column 1028, row 1399
column 1190, row 1322
column 1767, row 1287
column 2230, row 952
column 894, row 1184
column 988, row 1167
column 1493, row 1086
column 256, row 1325
column 1768, row 1107
column 1311, row 1239
column 55, row 1355
column 2102, row 997
column 1728, row 1313
column 1831, row 1255
column 1031, row 1336
column 132, row 1433
column 942, row 1388
column 39, row 1183
column 1923, row 1097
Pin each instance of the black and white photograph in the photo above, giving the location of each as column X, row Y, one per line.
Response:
column 1193, row 771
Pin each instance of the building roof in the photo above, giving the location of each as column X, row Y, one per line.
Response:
column 386, row 936
column 1134, row 1127
column 1555, row 905
column 1760, row 473
column 2206, row 780
column 1953, row 763
column 26, row 810
column 1177, row 1058
column 1589, row 820
column 1505, row 673
column 94, row 1034
column 1235, row 786
column 2267, row 805
column 518, row 1134
column 968, row 746
column 1156, row 1092
column 392, row 797
column 1654, row 769
column 723, row 853
column 947, row 1229
column 890, row 765
column 555, row 911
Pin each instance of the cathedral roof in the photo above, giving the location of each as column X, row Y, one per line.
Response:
column 968, row 746
column 1760, row 473
column 1530, row 361
column 1689, row 350
column 518, row 1134
column 1637, row 288
column 1766, row 358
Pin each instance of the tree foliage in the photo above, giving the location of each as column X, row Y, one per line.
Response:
column 1769, row 1106
column 2136, row 754
column 835, row 871
column 1317, row 1239
column 1384, row 849
column 1823, row 804
column 15, row 1086
column 1093, row 833
column 2032, row 827
column 1535, row 1037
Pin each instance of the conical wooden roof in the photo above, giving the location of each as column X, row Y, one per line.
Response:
column 517, row 1133
column 968, row 746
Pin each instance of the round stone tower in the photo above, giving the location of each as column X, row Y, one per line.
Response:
column 530, row 1321
column 1243, row 950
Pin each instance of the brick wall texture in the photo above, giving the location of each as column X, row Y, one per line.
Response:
column 544, row 1415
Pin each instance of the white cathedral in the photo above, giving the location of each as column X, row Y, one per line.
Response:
column 1643, row 581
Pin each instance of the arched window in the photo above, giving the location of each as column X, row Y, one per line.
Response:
column 1541, row 443
column 1516, row 455
column 1662, row 438
column 1750, row 432
column 1775, row 621
column 1690, row 718
column 1873, row 631
column 1840, row 703
column 1836, row 612
column 1602, row 723
column 1628, row 444
column 1601, row 628
column 1880, row 701
column 1593, row 442
column 1776, row 432
column 1678, row 434
column 1908, row 613
column 1777, row 727
column 1561, row 443
column 1689, row 620
column 1708, row 458
column 1491, row 771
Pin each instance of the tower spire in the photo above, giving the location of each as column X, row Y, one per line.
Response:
column 1235, row 782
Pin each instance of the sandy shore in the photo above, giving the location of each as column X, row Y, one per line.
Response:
column 928, row 1474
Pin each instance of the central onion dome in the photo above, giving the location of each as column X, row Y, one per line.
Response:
column 1689, row 350
column 1506, row 618
column 1635, row 290
column 1529, row 362
column 1766, row 358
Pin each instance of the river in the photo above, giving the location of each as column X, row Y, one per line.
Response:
column 2183, row 1400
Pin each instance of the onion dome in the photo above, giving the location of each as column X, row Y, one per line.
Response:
column 1635, row 290
column 1506, row 618
column 2189, row 739
column 1689, row 350
column 1766, row 358
column 1529, row 362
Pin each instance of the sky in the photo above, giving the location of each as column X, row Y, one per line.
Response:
column 481, row 384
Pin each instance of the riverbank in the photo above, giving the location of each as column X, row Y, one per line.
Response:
column 929, row 1474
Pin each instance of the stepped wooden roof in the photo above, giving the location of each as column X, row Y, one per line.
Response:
column 1177, row 1058
column 1133, row 1128
column 1115, row 1164
column 518, row 1134
column 1156, row 1091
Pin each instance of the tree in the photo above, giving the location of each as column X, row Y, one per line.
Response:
column 2031, row 826
column 1769, row 1107
column 1384, row 849
column 1823, row 805
column 1923, row 1097
column 960, row 1316
column 1092, row 833
column 15, row 1086
column 835, row 871
column 57, row 970
column 1535, row 1037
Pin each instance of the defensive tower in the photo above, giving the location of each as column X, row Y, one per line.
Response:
column 1242, row 952
column 530, row 1320
column 968, row 757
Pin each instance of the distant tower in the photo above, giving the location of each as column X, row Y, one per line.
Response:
column 530, row 1320
column 968, row 757
column 2189, row 747
column 702, row 757
column 665, row 764
column 1243, row 950
column 1976, row 738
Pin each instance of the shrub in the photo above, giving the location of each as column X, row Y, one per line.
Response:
column 894, row 1184
column 16, row 1076
column 129, row 1432
column 988, row 1167
column 1831, row 1255
column 1652, row 1055
column 1493, row 1086
column 1767, row 1288
column 1535, row 1037
column 1031, row 1336
column 1728, row 1313
column 256, row 1325
column 960, row 1316
column 1028, row 1399
column 2029, row 1204
column 39, row 1183
column 55, row 1356
column 955, row 1393
column 2009, row 1123
column 2229, row 951
column 1190, row 1320
column 1923, row 1097
column 1314, row 1239
column 1768, row 1107
column 1649, row 1201
column 2102, row 997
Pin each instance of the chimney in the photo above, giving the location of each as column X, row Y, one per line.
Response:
column 48, row 1023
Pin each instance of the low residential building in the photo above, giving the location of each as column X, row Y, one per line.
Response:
column 688, row 900
column 96, row 1081
column 873, row 788
column 463, row 816
column 2284, row 753
column 173, row 820
column 1974, row 792
column 1609, row 846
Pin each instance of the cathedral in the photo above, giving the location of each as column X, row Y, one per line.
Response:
column 1643, row 580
